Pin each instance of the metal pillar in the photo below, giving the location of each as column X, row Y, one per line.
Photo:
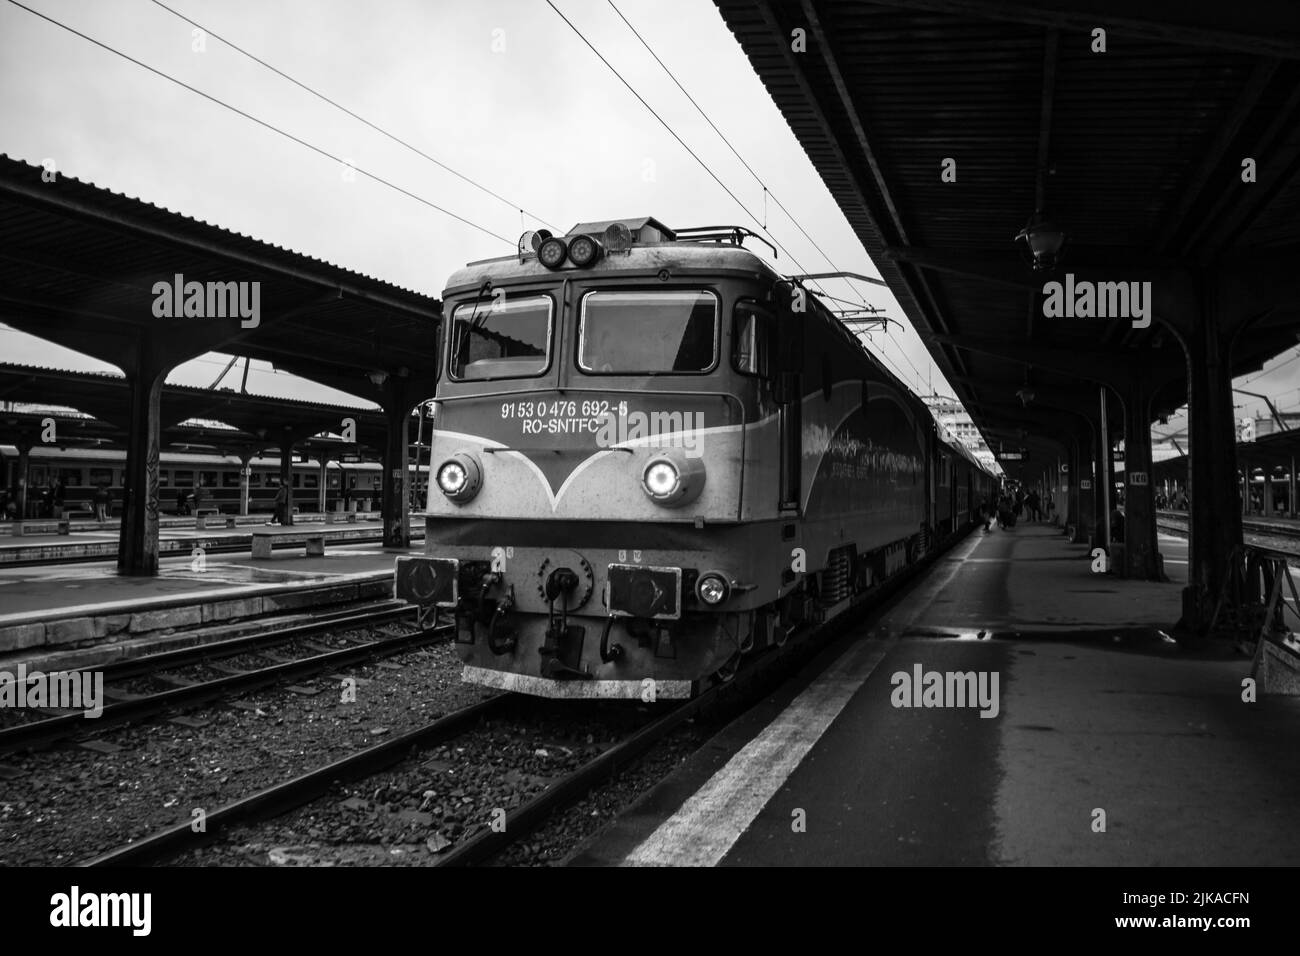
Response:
column 321, row 481
column 245, row 476
column 1072, row 517
column 1214, row 523
column 1087, row 471
column 1290, row 490
column 286, row 474
column 395, row 514
column 1101, row 484
column 137, row 548
column 1141, row 548
column 20, row 479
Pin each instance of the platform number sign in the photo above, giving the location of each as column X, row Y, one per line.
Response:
column 1085, row 484
column 1138, row 478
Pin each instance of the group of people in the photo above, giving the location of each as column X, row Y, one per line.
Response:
column 50, row 502
column 1007, row 508
column 1177, row 501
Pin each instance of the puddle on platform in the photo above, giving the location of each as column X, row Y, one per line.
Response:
column 242, row 574
column 1145, row 640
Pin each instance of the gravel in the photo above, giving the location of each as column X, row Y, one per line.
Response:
column 71, row 803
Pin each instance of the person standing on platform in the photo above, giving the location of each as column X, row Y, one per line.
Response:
column 102, row 499
column 281, row 504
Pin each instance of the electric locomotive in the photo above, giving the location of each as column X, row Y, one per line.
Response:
column 653, row 455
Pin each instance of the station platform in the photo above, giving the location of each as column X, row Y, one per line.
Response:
column 49, row 609
column 1105, row 743
column 91, row 540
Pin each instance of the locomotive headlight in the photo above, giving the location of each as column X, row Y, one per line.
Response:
column 552, row 252
column 584, row 251
column 459, row 477
column 712, row 588
column 672, row 479
column 661, row 479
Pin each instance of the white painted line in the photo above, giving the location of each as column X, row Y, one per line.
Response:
column 708, row 824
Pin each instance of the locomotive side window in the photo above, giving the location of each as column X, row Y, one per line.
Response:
column 648, row 333
column 751, row 335
column 501, row 338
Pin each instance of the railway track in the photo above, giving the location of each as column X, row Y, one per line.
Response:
column 130, row 708
column 485, row 844
column 1178, row 519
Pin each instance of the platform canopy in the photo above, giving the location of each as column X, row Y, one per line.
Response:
column 89, row 269
column 1160, row 140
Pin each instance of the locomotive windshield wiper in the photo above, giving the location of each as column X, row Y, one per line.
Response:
column 474, row 321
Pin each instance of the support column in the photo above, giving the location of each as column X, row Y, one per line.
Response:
column 320, row 482
column 286, row 473
column 1087, row 496
column 1290, row 490
column 1074, row 470
column 1214, row 523
column 1141, row 547
column 395, row 514
column 137, row 548
column 1101, row 474
column 20, row 479
column 245, row 475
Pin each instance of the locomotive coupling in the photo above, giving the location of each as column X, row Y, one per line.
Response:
column 560, row 581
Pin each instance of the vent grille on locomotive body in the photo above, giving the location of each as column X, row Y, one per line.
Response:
column 659, row 458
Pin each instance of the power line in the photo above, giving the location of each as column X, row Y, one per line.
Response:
column 1268, row 371
column 359, row 118
column 705, row 166
column 766, row 191
column 757, row 178
column 263, row 123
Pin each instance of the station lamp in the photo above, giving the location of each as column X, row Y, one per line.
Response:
column 1044, row 239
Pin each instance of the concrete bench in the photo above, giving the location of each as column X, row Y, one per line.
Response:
column 201, row 516
column 264, row 541
column 42, row 526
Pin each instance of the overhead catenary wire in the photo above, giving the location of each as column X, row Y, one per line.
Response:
column 767, row 192
column 359, row 118
column 705, row 166
column 263, row 123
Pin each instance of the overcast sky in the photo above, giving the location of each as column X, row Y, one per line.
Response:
column 502, row 91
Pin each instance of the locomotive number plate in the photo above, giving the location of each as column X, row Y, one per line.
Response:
column 427, row 581
column 636, row 590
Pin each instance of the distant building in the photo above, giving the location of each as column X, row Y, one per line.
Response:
column 953, row 417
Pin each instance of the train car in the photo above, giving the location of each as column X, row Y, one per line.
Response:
column 654, row 455
column 83, row 470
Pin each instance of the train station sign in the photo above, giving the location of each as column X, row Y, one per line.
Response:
column 1138, row 478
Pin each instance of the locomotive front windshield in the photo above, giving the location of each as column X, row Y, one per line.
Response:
column 501, row 338
column 648, row 333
